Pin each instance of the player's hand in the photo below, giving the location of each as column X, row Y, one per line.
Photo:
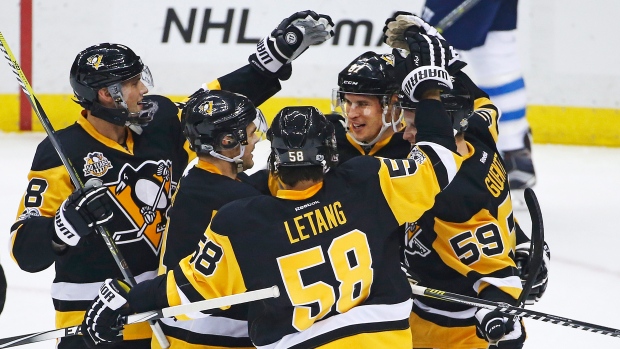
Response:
column 101, row 323
column 522, row 259
column 395, row 27
column 423, row 68
column 495, row 327
column 289, row 40
column 402, row 23
column 82, row 211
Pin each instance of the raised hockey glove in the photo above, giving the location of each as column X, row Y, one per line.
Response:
column 101, row 322
column 424, row 68
column 494, row 327
column 82, row 211
column 289, row 40
column 522, row 260
column 401, row 23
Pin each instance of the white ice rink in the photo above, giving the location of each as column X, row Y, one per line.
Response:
column 580, row 199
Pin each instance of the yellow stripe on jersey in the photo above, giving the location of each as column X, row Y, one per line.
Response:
column 410, row 185
column 398, row 339
column 92, row 131
column 426, row 334
column 210, row 273
column 130, row 332
column 46, row 190
column 484, row 108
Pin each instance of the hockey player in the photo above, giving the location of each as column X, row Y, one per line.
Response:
column 466, row 243
column 319, row 240
column 366, row 94
column 222, row 128
column 136, row 168
column 487, row 35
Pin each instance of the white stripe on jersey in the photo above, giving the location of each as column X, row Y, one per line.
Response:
column 446, row 156
column 212, row 325
column 463, row 314
column 511, row 281
column 363, row 314
column 70, row 291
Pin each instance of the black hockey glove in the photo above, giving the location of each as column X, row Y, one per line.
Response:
column 522, row 259
column 424, row 68
column 84, row 209
column 494, row 327
column 101, row 321
column 401, row 23
column 289, row 40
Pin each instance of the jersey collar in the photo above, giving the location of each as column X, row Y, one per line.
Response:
column 207, row 166
column 299, row 194
column 375, row 147
column 90, row 129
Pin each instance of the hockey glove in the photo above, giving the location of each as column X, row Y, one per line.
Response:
column 84, row 209
column 101, row 321
column 289, row 40
column 401, row 23
column 522, row 259
column 494, row 327
column 424, row 68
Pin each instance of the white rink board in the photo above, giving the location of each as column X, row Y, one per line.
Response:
column 567, row 45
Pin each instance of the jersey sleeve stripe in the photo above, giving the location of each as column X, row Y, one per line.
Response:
column 510, row 285
column 443, row 162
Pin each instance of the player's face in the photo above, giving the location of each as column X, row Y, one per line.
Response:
column 410, row 129
column 364, row 113
column 133, row 91
column 253, row 138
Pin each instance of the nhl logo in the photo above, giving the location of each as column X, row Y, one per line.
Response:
column 290, row 38
column 95, row 164
column 95, row 61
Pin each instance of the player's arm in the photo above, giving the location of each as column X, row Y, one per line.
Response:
column 483, row 123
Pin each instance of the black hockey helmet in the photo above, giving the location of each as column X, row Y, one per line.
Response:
column 302, row 136
column 370, row 73
column 108, row 66
column 459, row 104
column 213, row 120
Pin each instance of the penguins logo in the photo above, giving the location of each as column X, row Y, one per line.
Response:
column 143, row 195
column 206, row 108
column 389, row 59
column 96, row 164
column 95, row 61
column 414, row 246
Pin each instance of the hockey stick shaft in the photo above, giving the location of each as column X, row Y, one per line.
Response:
column 536, row 245
column 455, row 14
column 270, row 292
column 73, row 174
column 512, row 310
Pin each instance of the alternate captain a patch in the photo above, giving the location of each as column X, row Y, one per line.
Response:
column 95, row 164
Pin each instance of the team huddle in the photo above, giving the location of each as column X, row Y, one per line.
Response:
column 402, row 183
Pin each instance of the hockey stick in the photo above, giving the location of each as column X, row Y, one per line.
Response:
column 536, row 244
column 512, row 310
column 455, row 14
column 73, row 174
column 270, row 292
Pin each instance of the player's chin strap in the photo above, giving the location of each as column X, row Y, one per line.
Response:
column 235, row 160
column 385, row 125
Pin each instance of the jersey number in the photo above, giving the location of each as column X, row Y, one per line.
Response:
column 351, row 262
column 34, row 193
column 488, row 240
column 207, row 256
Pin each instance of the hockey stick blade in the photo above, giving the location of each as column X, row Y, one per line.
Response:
column 269, row 292
column 536, row 246
column 514, row 311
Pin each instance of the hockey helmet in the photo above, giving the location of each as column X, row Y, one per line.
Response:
column 214, row 120
column 302, row 136
column 459, row 104
column 108, row 66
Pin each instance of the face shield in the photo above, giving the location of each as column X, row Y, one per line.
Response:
column 142, row 113
column 261, row 125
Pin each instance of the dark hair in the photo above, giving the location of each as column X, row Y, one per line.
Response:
column 291, row 175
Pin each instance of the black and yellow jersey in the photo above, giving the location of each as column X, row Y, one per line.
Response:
column 141, row 175
column 393, row 147
column 328, row 248
column 201, row 193
column 465, row 243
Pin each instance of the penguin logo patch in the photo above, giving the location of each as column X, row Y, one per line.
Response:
column 95, row 164
column 95, row 61
column 206, row 108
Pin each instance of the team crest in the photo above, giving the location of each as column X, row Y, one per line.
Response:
column 417, row 156
column 95, row 61
column 206, row 108
column 95, row 164
column 388, row 58
column 413, row 245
